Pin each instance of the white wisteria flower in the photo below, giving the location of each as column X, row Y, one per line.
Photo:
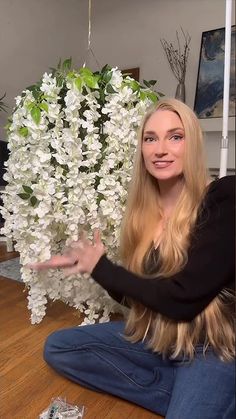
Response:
column 72, row 139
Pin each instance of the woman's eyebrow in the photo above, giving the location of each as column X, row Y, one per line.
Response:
column 169, row 131
column 175, row 129
column 150, row 132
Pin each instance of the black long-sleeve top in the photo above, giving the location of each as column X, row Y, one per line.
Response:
column 210, row 266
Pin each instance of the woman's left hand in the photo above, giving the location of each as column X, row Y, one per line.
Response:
column 81, row 257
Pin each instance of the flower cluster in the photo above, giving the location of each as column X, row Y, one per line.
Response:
column 72, row 139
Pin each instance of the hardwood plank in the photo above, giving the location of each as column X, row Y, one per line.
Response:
column 27, row 383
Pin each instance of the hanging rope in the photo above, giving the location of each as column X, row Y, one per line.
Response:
column 89, row 49
column 89, row 23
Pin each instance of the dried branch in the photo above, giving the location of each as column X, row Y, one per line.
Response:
column 178, row 57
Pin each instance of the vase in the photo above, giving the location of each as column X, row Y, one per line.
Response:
column 180, row 92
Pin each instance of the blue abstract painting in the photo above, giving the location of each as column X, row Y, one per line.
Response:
column 210, row 82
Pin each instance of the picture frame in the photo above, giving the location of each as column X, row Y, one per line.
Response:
column 208, row 101
column 132, row 72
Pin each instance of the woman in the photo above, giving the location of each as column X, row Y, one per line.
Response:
column 175, row 354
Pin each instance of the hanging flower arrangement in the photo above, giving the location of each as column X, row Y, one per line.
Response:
column 72, row 139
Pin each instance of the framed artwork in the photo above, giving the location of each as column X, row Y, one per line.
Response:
column 132, row 72
column 210, row 81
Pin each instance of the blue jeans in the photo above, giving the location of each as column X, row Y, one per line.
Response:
column 100, row 358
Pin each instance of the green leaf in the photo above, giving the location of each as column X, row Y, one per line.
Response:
column 102, row 95
column 71, row 75
column 146, row 83
column 60, row 80
column 134, row 85
column 107, row 77
column 35, row 114
column 24, row 131
column 97, row 77
column 34, row 201
column 105, row 68
column 30, row 105
column 152, row 82
column 91, row 81
column 85, row 72
column 36, row 93
column 27, row 189
column 44, row 106
column 110, row 89
column 24, row 196
column 143, row 95
column 79, row 83
column 152, row 96
column 66, row 66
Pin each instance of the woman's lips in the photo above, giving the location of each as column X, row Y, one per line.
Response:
column 162, row 164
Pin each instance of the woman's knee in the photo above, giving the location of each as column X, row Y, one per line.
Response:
column 56, row 344
column 52, row 347
column 62, row 342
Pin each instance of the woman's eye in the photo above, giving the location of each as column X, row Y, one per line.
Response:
column 148, row 139
column 176, row 137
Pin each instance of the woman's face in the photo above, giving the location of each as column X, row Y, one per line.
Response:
column 163, row 145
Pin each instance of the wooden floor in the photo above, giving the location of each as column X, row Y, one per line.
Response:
column 27, row 384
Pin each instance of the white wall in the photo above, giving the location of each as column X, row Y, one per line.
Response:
column 124, row 34
column 34, row 34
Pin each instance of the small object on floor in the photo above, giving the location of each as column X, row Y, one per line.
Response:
column 59, row 409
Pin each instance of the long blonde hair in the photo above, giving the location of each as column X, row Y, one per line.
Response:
column 142, row 216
